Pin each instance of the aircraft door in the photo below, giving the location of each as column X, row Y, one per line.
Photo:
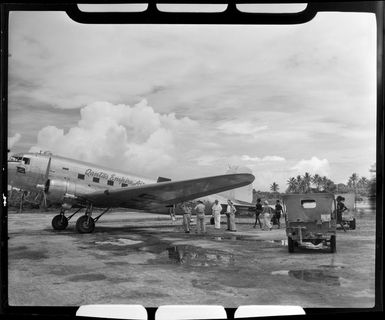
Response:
column 71, row 187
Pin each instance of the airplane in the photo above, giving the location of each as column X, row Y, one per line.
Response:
column 82, row 185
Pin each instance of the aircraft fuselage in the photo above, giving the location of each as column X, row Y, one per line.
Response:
column 66, row 179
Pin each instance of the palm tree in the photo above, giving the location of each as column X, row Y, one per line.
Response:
column 330, row 186
column 362, row 183
column 352, row 183
column 306, row 182
column 299, row 181
column 317, row 180
column 274, row 187
column 292, row 185
column 324, row 183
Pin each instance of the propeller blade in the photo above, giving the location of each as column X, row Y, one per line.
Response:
column 43, row 203
column 47, row 171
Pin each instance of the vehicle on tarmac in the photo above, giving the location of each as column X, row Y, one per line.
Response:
column 348, row 219
column 310, row 220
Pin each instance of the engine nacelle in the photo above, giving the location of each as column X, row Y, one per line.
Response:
column 60, row 191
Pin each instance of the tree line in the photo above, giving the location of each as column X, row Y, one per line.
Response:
column 315, row 183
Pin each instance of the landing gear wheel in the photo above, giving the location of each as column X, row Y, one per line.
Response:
column 352, row 224
column 290, row 244
column 85, row 224
column 59, row 222
column 333, row 244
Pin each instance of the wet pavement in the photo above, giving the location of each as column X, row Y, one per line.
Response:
column 140, row 258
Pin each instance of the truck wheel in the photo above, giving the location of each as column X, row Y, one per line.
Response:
column 352, row 224
column 290, row 244
column 333, row 244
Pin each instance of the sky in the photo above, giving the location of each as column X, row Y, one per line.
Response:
column 186, row 101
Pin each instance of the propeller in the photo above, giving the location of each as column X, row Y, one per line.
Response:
column 44, row 187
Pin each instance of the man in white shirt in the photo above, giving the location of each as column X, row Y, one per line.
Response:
column 216, row 210
column 200, row 212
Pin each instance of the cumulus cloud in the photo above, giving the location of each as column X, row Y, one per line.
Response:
column 313, row 166
column 241, row 127
column 264, row 159
column 134, row 139
column 13, row 140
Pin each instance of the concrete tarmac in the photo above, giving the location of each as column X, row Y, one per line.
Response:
column 142, row 258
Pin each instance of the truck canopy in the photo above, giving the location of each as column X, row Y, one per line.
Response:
column 308, row 207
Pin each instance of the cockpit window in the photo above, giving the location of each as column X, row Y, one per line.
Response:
column 14, row 158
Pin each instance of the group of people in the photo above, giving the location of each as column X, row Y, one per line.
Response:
column 216, row 209
column 265, row 213
column 264, row 216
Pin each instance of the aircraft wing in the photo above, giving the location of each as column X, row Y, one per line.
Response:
column 155, row 195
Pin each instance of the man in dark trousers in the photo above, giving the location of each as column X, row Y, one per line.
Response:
column 340, row 208
column 258, row 211
column 278, row 211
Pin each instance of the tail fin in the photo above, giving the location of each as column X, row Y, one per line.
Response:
column 245, row 193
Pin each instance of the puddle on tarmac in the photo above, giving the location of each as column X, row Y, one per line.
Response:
column 87, row 277
column 281, row 242
column 194, row 257
column 234, row 238
column 119, row 242
column 332, row 266
column 248, row 238
column 165, row 253
column 312, row 275
column 23, row 252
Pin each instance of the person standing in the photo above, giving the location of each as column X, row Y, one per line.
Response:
column 216, row 211
column 171, row 211
column 230, row 212
column 266, row 216
column 200, row 212
column 278, row 211
column 186, row 217
column 258, row 211
column 340, row 209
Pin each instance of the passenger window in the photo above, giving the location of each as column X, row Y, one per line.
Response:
column 308, row 204
column 124, row 184
column 26, row 160
column 81, row 176
column 110, row 182
column 94, row 179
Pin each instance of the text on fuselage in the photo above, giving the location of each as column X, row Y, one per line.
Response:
column 112, row 177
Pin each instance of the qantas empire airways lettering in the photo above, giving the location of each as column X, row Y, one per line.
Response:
column 112, row 177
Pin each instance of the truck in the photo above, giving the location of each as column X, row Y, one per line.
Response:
column 310, row 220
